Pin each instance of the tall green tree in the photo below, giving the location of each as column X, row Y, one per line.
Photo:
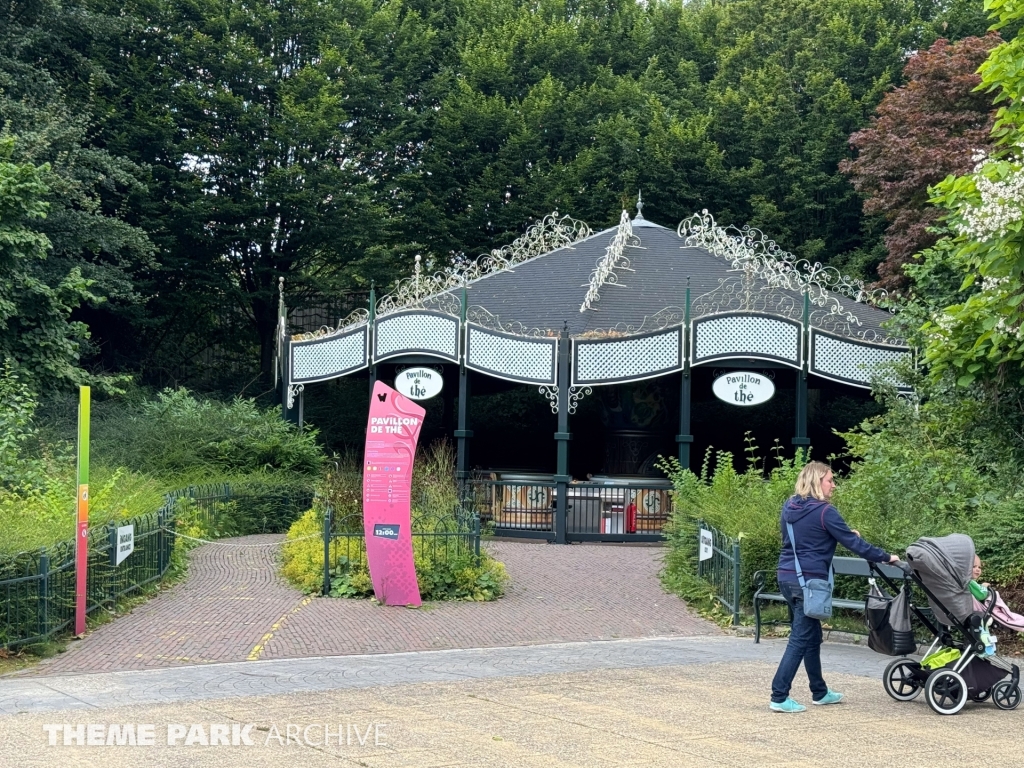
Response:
column 277, row 131
column 47, row 90
column 37, row 334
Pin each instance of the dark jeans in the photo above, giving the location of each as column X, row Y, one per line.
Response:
column 804, row 646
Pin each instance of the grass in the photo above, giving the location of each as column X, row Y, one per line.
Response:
column 35, row 518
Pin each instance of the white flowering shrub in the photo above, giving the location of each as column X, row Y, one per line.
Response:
column 999, row 209
column 982, row 336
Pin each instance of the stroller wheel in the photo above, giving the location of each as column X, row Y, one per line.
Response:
column 899, row 680
column 946, row 692
column 1006, row 695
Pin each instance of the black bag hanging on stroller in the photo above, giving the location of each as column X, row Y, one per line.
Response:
column 889, row 629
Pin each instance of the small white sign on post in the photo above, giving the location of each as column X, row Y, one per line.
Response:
column 706, row 549
column 125, row 542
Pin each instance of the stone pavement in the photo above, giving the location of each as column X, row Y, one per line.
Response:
column 233, row 607
column 682, row 701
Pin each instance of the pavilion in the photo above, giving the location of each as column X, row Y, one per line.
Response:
column 567, row 310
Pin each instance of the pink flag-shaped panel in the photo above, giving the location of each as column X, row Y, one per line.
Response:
column 391, row 434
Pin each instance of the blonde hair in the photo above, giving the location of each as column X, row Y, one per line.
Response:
column 808, row 482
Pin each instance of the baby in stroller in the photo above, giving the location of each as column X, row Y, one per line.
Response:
column 1001, row 613
column 961, row 663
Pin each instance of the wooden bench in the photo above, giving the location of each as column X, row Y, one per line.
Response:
column 844, row 566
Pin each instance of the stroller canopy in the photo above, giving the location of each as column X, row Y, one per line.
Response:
column 945, row 565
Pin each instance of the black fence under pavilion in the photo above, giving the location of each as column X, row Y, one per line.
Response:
column 520, row 506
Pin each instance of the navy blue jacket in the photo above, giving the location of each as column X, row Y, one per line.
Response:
column 818, row 527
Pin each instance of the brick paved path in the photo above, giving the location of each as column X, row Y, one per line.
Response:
column 234, row 607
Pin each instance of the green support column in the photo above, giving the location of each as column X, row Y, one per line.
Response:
column 463, row 433
column 684, row 438
column 562, row 436
column 800, row 440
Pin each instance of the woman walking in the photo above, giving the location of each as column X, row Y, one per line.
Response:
column 817, row 527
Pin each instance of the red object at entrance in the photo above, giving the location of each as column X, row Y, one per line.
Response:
column 631, row 518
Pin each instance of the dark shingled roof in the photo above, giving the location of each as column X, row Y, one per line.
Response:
column 547, row 290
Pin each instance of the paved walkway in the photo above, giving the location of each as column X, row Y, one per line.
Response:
column 233, row 607
column 648, row 703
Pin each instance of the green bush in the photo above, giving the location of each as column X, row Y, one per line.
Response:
column 918, row 469
column 22, row 462
column 942, row 467
column 269, row 502
column 37, row 517
column 744, row 505
column 445, row 568
column 179, row 436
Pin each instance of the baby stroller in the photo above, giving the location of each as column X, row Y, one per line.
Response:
column 960, row 664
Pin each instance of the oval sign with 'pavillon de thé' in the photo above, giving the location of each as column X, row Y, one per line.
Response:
column 419, row 383
column 743, row 388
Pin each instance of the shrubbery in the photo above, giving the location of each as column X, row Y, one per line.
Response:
column 140, row 450
column 744, row 505
column 179, row 435
column 446, row 569
column 946, row 465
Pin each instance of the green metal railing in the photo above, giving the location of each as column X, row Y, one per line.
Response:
column 722, row 568
column 436, row 536
column 37, row 589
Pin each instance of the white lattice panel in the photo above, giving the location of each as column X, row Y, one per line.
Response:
column 853, row 363
column 626, row 360
column 418, row 332
column 753, row 335
column 319, row 360
column 511, row 358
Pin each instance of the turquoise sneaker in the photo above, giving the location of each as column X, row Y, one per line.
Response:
column 832, row 697
column 788, row 706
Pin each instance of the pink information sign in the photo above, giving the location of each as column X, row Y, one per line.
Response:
column 391, row 434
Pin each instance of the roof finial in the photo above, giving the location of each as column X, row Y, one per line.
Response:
column 639, row 204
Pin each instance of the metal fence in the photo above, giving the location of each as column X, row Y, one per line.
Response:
column 37, row 589
column 633, row 511
column 436, row 537
column 718, row 563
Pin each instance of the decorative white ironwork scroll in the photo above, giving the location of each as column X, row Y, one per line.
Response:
column 838, row 325
column 357, row 317
column 480, row 316
column 293, row 392
column 659, row 321
column 575, row 395
column 432, row 290
column 551, row 393
column 749, row 248
column 745, row 294
column 614, row 258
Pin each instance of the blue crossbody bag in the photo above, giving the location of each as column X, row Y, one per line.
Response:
column 817, row 592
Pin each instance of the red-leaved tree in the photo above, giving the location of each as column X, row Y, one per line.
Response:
column 921, row 133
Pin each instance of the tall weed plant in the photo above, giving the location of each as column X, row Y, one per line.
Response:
column 744, row 505
column 36, row 517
